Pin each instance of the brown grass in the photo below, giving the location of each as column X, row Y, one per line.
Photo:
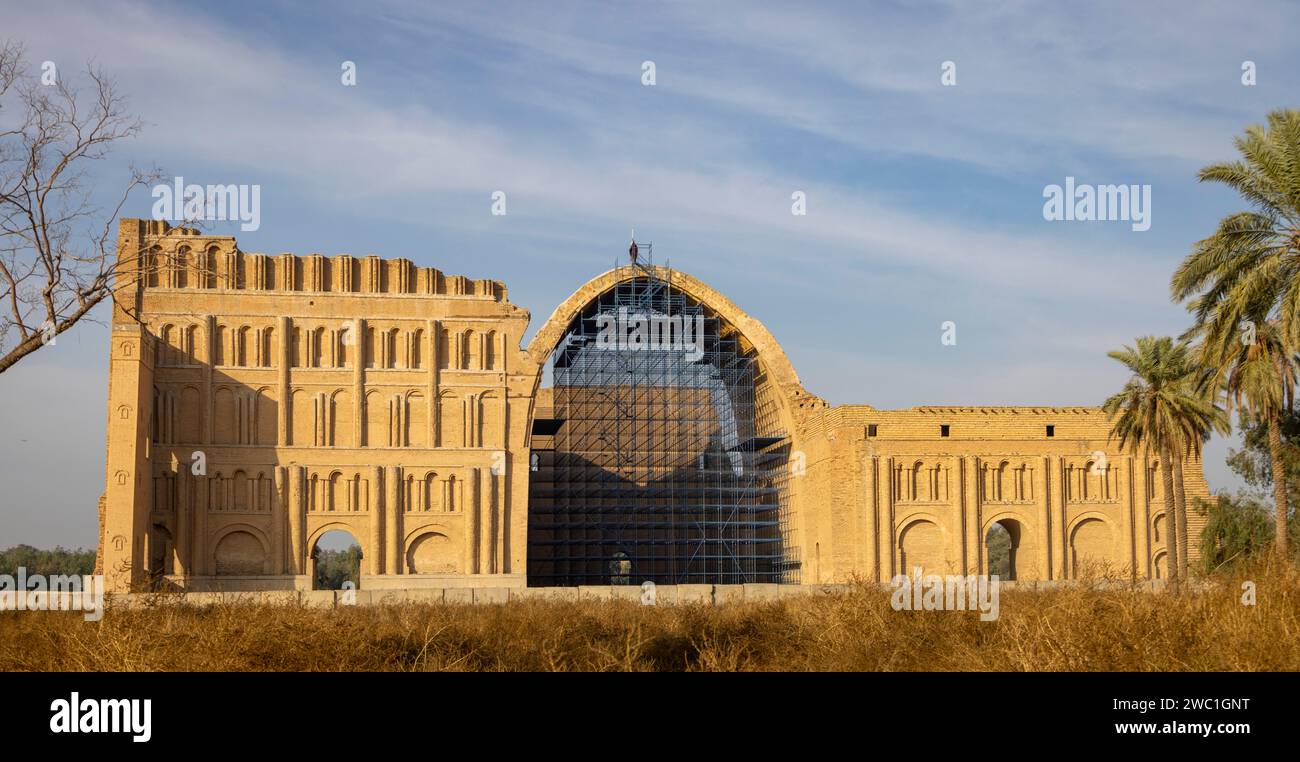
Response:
column 1065, row 629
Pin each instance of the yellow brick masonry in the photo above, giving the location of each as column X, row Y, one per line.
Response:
column 257, row 402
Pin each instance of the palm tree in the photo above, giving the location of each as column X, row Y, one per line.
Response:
column 1259, row 376
column 1200, row 381
column 1158, row 409
column 1248, row 272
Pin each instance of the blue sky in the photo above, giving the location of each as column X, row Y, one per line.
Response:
column 924, row 202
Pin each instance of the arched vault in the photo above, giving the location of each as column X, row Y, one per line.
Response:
column 691, row 447
column 793, row 398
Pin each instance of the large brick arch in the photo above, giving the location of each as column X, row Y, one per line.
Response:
column 794, row 400
column 781, row 390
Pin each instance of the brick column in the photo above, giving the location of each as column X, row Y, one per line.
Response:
column 208, row 406
column 472, row 523
column 486, row 521
column 183, row 510
column 871, row 522
column 1060, row 540
column 431, row 356
column 1144, row 513
column 282, row 374
column 392, row 520
column 358, row 381
column 297, row 516
column 199, row 546
column 375, row 553
column 498, row 521
column 972, row 516
column 1124, row 483
column 1043, row 532
column 279, row 520
column 887, row 529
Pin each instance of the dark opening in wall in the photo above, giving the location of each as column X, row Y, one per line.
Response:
column 1051, row 430
column 871, row 429
column 943, row 430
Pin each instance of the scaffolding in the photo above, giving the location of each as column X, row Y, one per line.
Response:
column 662, row 459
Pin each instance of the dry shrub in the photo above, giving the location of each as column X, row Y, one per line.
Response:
column 1101, row 627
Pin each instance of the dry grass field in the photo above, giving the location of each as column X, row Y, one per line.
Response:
column 1063, row 629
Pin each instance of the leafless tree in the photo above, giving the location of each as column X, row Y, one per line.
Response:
column 58, row 257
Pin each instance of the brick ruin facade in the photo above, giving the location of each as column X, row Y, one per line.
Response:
column 258, row 402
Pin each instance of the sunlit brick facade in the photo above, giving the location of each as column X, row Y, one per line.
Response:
column 257, row 402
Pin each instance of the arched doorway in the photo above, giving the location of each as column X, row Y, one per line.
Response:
column 1002, row 549
column 335, row 561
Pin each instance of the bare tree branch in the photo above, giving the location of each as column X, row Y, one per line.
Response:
column 58, row 257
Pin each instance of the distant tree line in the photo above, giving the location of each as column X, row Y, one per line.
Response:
column 1242, row 526
column 60, row 560
column 334, row 567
